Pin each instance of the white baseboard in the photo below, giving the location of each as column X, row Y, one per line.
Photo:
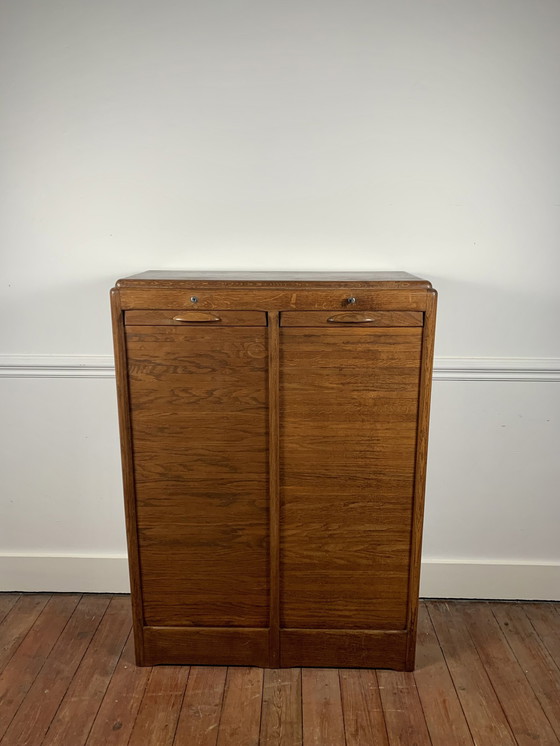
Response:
column 65, row 573
column 486, row 579
column 440, row 578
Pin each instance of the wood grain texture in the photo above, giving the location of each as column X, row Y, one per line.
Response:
column 7, row 602
column 542, row 673
column 520, row 704
column 487, row 720
column 274, row 477
column 323, row 723
column 441, row 706
column 221, row 318
column 345, row 706
column 338, row 425
column 21, row 671
column 364, row 721
column 343, row 647
column 243, row 694
column 202, row 706
column 158, row 715
column 273, row 299
column 127, row 462
column 423, row 424
column 274, row 484
column 404, row 717
column 18, row 621
column 201, row 474
column 172, row 278
column 77, row 711
column 328, row 319
column 206, row 646
column 281, row 719
column 119, row 709
column 545, row 621
column 41, row 702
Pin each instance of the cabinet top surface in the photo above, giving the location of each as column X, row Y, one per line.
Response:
column 169, row 278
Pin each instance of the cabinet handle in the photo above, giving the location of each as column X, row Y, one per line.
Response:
column 196, row 317
column 352, row 317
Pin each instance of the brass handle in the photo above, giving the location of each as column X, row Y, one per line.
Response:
column 196, row 316
column 352, row 317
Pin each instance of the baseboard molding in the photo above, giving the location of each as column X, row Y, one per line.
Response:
column 64, row 573
column 498, row 580
column 440, row 578
column 445, row 368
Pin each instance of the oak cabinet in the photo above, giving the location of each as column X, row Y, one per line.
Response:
column 274, row 436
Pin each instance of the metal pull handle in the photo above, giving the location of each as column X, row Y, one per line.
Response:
column 196, row 317
column 351, row 317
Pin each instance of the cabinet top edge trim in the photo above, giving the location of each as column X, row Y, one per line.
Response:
column 170, row 279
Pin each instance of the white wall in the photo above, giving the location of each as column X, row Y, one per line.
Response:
column 310, row 135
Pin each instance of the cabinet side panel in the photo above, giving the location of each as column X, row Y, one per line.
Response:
column 199, row 420
column 119, row 344
column 349, row 400
column 274, row 484
column 428, row 340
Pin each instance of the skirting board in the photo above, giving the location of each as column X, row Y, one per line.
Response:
column 527, row 581
column 64, row 573
column 440, row 578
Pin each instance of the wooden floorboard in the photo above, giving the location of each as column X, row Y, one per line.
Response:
column 540, row 669
column 43, row 699
column 281, row 716
column 241, row 709
column 18, row 621
column 487, row 673
column 545, row 618
column 159, row 710
column 26, row 663
column 444, row 715
column 364, row 721
column 74, row 718
column 202, row 706
column 119, row 709
column 523, row 710
column 404, row 715
column 323, row 723
column 487, row 720
column 7, row 601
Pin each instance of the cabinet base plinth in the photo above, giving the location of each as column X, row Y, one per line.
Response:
column 344, row 648
column 207, row 646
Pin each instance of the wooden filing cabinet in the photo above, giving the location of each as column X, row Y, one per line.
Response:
column 274, row 435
